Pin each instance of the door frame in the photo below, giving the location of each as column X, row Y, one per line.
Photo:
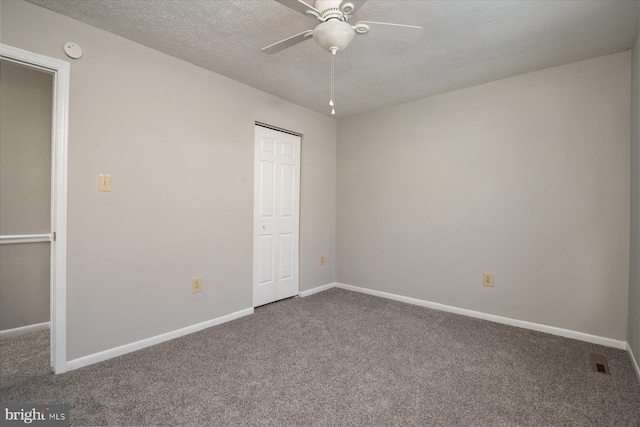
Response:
column 60, row 70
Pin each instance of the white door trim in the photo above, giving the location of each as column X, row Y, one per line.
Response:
column 59, row 164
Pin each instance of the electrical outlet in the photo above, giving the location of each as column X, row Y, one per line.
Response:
column 196, row 285
column 321, row 259
column 104, row 183
column 487, row 279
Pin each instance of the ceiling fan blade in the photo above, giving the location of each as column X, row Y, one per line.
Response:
column 299, row 6
column 283, row 44
column 383, row 30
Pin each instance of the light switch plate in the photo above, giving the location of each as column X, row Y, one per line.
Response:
column 104, row 183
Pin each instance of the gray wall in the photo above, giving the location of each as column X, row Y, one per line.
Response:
column 25, row 193
column 178, row 142
column 527, row 178
column 24, row 285
column 634, row 272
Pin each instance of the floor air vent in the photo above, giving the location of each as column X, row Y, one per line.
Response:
column 599, row 363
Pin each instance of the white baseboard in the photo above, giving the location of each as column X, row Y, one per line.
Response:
column 148, row 342
column 634, row 361
column 567, row 333
column 316, row 290
column 8, row 333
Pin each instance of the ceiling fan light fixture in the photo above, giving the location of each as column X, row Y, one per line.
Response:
column 333, row 33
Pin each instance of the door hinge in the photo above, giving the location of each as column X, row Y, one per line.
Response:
column 54, row 236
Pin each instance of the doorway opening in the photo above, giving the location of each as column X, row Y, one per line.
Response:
column 54, row 235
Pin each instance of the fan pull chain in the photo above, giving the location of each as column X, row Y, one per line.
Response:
column 333, row 78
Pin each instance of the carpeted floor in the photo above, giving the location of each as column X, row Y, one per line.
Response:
column 337, row 358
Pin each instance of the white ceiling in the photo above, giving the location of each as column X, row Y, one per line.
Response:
column 464, row 43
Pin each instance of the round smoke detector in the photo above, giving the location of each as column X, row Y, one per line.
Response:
column 72, row 50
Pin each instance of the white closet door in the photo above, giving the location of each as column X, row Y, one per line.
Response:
column 276, row 215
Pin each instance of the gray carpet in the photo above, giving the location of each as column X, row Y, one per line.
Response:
column 337, row 358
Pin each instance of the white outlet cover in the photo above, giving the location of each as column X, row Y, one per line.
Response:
column 72, row 50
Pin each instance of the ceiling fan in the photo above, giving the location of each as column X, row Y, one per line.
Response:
column 334, row 33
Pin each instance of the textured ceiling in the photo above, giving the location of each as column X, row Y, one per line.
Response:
column 464, row 43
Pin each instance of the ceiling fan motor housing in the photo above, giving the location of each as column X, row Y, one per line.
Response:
column 333, row 33
column 328, row 9
column 323, row 5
